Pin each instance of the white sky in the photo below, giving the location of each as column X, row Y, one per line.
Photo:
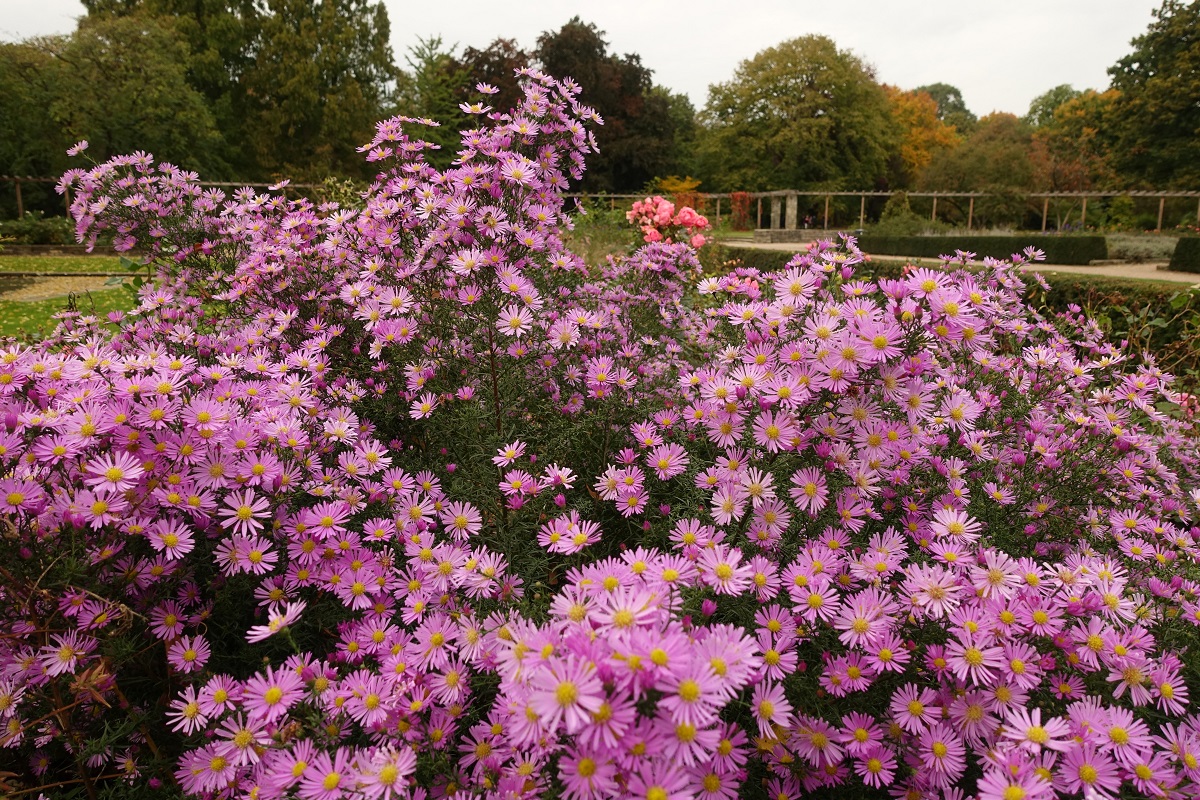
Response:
column 1000, row 53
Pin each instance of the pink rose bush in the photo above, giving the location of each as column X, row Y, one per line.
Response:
column 659, row 222
column 404, row 500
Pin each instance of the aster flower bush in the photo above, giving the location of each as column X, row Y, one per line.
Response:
column 402, row 499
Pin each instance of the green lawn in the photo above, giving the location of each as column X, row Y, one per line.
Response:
column 34, row 317
column 60, row 264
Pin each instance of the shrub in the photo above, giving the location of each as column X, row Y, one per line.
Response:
column 1186, row 257
column 404, row 500
column 1057, row 249
column 34, row 228
column 1140, row 249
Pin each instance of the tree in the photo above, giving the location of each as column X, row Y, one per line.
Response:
column 951, row 108
column 995, row 159
column 496, row 65
column 1070, row 151
column 433, row 90
column 121, row 83
column 321, row 76
column 1155, row 121
column 922, row 132
column 1042, row 108
column 294, row 85
column 221, row 37
column 802, row 114
column 31, row 141
column 637, row 140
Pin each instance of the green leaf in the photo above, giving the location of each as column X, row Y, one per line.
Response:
column 114, row 280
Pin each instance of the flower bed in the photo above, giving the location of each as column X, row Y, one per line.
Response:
column 404, row 500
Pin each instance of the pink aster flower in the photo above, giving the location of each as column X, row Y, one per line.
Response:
column 243, row 511
column 185, row 715
column 116, row 472
column 770, row 707
column 189, row 653
column 567, row 691
column 1026, row 727
column 269, row 696
column 328, row 778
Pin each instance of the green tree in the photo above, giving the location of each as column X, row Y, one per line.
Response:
column 1155, row 122
column 1042, row 108
column 495, row 64
column 121, row 83
column 995, row 159
column 31, row 140
column 637, row 140
column 436, row 85
column 802, row 114
column 322, row 74
column 951, row 108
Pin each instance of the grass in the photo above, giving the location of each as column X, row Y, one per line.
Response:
column 34, row 318
column 65, row 265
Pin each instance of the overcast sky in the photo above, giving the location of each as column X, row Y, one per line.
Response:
column 1000, row 53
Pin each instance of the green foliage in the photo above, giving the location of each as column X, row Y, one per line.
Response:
column 1186, row 257
column 637, row 140
column 1156, row 116
column 1140, row 249
column 802, row 114
column 35, row 228
column 496, row 65
column 1041, row 110
column 995, row 154
column 898, row 219
column 951, row 108
column 433, row 93
column 320, row 77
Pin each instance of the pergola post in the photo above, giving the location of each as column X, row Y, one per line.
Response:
column 20, row 204
column 1045, row 212
column 1083, row 215
column 793, row 211
column 862, row 211
column 1162, row 204
column 970, row 212
column 718, row 210
column 933, row 215
column 826, row 213
column 759, row 223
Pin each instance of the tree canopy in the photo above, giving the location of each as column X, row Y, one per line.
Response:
column 1155, row 120
column 800, row 114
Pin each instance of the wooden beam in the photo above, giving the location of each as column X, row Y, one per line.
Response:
column 1162, row 204
column 759, row 224
column 933, row 214
column 718, row 210
column 1083, row 216
column 1045, row 212
column 826, row 213
column 20, row 205
column 862, row 211
column 970, row 213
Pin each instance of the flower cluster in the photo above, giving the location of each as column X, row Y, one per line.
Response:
column 404, row 500
column 660, row 222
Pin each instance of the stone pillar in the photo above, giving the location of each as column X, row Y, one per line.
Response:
column 776, row 213
column 793, row 211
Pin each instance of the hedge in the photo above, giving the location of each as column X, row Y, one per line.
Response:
column 1080, row 250
column 1158, row 316
column 1186, row 257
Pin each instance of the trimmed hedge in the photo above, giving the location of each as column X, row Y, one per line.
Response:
column 1186, row 257
column 1080, row 250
